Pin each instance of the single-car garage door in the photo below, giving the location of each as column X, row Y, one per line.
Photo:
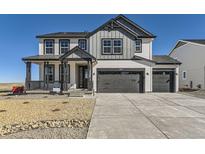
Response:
column 119, row 81
column 163, row 81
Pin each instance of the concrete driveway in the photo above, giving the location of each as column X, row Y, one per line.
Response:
column 151, row 115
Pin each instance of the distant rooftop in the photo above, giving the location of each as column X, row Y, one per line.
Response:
column 199, row 41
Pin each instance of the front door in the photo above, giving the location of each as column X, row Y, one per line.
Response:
column 83, row 77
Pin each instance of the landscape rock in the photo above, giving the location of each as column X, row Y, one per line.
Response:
column 74, row 123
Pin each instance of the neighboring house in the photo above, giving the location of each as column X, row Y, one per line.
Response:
column 192, row 70
column 115, row 57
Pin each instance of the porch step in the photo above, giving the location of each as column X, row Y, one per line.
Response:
column 75, row 94
column 79, row 93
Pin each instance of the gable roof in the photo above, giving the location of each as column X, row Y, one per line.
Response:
column 185, row 41
column 198, row 41
column 120, row 21
column 123, row 22
column 132, row 25
column 64, row 35
column 82, row 54
column 164, row 59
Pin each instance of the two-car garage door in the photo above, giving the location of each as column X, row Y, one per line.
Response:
column 132, row 80
column 119, row 81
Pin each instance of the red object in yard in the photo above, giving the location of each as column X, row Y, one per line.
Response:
column 18, row 89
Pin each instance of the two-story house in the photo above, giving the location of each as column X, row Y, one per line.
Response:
column 115, row 57
column 191, row 52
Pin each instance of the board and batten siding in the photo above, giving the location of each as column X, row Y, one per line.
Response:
column 95, row 47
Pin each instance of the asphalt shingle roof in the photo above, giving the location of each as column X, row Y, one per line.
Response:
column 164, row 59
column 42, row 57
column 199, row 41
column 64, row 35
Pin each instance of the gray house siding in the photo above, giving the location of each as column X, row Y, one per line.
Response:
column 192, row 58
column 95, row 45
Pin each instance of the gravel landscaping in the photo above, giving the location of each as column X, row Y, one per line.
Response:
column 26, row 115
column 50, row 133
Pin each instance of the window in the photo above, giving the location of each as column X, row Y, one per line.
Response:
column 117, row 46
column 49, row 46
column 184, row 75
column 64, row 46
column 138, row 45
column 62, row 73
column 107, row 46
column 49, row 72
column 112, row 46
column 82, row 43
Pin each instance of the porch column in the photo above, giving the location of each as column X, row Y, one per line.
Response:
column 61, row 79
column 28, row 75
column 45, row 75
column 65, row 75
column 90, row 74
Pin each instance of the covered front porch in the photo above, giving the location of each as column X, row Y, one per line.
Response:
column 70, row 71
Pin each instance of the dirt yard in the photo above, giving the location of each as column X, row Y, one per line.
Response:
column 26, row 110
column 32, row 108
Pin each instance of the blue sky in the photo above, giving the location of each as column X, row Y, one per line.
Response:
column 17, row 35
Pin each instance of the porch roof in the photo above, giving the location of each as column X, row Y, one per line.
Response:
column 41, row 58
column 77, row 53
column 73, row 55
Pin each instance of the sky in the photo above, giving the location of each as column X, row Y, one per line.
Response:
column 18, row 35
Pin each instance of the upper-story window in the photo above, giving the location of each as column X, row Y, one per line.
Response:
column 82, row 43
column 49, row 46
column 138, row 45
column 117, row 46
column 64, row 46
column 112, row 46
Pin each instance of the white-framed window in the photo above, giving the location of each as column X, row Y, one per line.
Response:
column 117, row 46
column 49, row 46
column 82, row 43
column 112, row 46
column 138, row 46
column 64, row 45
column 184, row 75
column 49, row 72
